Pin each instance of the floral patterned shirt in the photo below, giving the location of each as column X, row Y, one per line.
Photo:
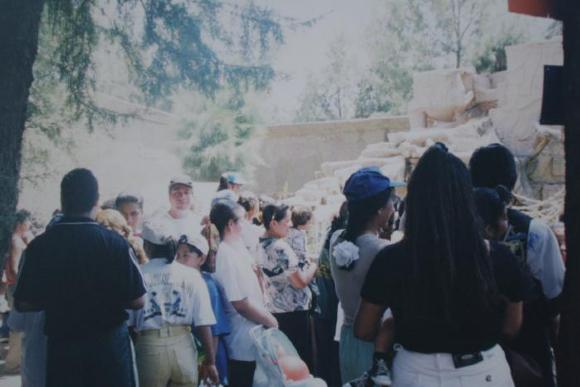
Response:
column 278, row 261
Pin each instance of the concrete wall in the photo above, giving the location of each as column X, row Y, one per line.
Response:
column 293, row 153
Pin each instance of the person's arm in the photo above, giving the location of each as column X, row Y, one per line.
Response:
column 513, row 319
column 368, row 320
column 13, row 254
column 252, row 313
column 209, row 370
column 137, row 303
column 131, row 285
column 302, row 277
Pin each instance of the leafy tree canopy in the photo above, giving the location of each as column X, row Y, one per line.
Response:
column 166, row 45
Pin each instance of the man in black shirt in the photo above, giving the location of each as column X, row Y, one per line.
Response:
column 84, row 277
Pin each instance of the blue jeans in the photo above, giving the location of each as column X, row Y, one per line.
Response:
column 98, row 360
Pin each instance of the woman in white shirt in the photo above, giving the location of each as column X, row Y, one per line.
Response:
column 245, row 303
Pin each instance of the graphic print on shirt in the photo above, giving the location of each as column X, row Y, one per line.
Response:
column 152, row 309
column 278, row 263
column 166, row 299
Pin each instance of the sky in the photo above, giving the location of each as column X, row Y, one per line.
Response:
column 304, row 51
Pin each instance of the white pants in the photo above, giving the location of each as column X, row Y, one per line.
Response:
column 413, row 369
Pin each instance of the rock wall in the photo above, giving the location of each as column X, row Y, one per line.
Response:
column 293, row 154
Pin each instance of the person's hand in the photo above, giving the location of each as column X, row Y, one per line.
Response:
column 209, row 371
column 272, row 322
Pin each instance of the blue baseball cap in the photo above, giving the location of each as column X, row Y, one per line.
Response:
column 367, row 182
column 234, row 178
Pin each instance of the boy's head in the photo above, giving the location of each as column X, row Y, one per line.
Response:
column 491, row 207
column 493, row 165
column 192, row 251
column 301, row 218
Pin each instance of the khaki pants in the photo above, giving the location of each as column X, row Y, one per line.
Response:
column 167, row 357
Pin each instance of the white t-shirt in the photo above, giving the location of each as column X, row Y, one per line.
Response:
column 545, row 259
column 251, row 236
column 238, row 281
column 190, row 224
column 176, row 295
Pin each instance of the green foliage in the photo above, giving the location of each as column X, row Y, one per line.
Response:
column 401, row 42
column 331, row 96
column 220, row 133
column 201, row 45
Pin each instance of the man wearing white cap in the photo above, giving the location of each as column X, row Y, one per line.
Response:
column 177, row 298
column 180, row 219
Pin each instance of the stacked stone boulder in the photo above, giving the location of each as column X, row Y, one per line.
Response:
column 465, row 111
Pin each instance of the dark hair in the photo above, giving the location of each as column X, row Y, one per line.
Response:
column 493, row 165
column 20, row 217
column 124, row 198
column 361, row 212
column 491, row 204
column 221, row 213
column 301, row 216
column 167, row 251
column 338, row 222
column 223, row 184
column 248, row 202
column 275, row 212
column 79, row 191
column 452, row 274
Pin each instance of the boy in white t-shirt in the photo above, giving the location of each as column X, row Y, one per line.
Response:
column 190, row 252
column 177, row 297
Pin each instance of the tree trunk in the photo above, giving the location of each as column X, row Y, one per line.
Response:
column 19, row 24
column 569, row 339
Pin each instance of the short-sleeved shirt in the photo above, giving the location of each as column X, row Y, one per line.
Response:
column 220, row 328
column 189, row 224
column 236, row 278
column 297, row 240
column 251, row 237
column 387, row 285
column 222, row 325
column 278, row 262
column 349, row 283
column 545, row 259
column 82, row 275
column 176, row 295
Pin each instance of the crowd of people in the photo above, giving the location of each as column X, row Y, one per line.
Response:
column 447, row 286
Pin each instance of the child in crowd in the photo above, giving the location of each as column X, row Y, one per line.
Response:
column 190, row 254
column 297, row 238
column 492, row 209
column 177, row 297
column 251, row 233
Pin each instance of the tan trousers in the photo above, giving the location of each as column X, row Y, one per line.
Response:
column 167, row 357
